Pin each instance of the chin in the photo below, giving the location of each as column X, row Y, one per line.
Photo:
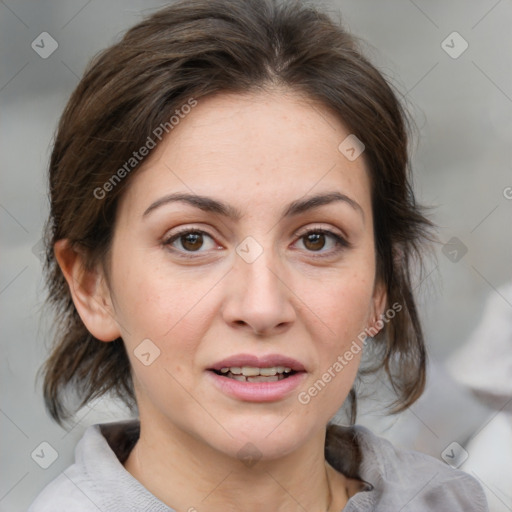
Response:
column 269, row 437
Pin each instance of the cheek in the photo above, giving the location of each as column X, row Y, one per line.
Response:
column 155, row 303
column 343, row 305
column 170, row 312
column 344, row 308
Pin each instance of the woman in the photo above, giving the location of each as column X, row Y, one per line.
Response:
column 231, row 227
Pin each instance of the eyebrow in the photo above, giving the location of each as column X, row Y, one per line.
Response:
column 211, row 205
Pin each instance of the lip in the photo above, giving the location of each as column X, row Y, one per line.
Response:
column 258, row 391
column 266, row 361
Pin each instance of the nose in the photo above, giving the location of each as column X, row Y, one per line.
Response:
column 258, row 298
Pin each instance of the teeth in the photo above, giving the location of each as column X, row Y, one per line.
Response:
column 256, row 378
column 254, row 374
column 261, row 378
column 252, row 371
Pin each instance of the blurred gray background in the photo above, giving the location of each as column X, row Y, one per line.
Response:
column 461, row 101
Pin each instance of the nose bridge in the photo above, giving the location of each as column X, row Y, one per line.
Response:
column 259, row 267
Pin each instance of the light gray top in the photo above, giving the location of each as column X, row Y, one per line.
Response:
column 398, row 480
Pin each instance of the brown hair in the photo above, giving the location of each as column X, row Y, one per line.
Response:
column 187, row 50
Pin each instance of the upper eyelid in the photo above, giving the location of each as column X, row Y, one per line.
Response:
column 305, row 230
column 298, row 232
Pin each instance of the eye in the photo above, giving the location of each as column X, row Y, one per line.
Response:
column 314, row 240
column 191, row 240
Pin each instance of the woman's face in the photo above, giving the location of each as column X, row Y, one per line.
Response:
column 252, row 290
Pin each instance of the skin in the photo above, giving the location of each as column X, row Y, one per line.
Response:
column 258, row 152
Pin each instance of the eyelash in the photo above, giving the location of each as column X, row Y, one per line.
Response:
column 341, row 243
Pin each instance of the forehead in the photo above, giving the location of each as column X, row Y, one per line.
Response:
column 261, row 148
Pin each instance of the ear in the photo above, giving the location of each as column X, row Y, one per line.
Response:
column 379, row 299
column 89, row 292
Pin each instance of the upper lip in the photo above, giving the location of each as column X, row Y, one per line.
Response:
column 266, row 361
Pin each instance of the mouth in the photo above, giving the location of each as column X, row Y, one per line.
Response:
column 255, row 374
column 251, row 378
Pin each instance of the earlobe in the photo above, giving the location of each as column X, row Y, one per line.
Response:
column 89, row 292
column 379, row 300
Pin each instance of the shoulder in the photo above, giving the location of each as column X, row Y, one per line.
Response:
column 63, row 494
column 70, row 490
column 417, row 481
column 85, row 485
column 409, row 480
column 98, row 481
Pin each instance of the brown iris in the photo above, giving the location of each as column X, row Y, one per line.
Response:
column 192, row 241
column 316, row 241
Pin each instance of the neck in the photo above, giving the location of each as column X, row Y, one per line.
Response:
column 190, row 476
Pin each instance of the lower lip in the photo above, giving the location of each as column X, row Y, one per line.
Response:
column 257, row 391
